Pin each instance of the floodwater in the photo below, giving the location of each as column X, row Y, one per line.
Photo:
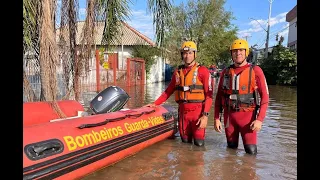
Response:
column 171, row 159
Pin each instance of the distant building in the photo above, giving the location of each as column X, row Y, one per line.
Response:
column 121, row 50
column 291, row 17
column 118, row 53
column 260, row 54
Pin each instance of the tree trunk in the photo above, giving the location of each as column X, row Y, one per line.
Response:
column 76, row 82
column 27, row 90
column 48, row 55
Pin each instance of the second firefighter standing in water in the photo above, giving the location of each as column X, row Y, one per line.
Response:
column 239, row 89
column 192, row 86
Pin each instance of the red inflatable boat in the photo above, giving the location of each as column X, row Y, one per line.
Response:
column 73, row 147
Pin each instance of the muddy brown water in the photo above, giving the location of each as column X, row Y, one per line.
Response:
column 171, row 159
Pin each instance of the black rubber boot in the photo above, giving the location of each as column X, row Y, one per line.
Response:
column 186, row 140
column 251, row 149
column 199, row 142
column 232, row 145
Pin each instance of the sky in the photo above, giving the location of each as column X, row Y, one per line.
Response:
column 251, row 18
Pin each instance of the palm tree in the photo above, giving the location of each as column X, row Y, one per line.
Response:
column 30, row 40
column 40, row 32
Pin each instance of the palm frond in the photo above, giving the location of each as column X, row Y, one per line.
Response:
column 113, row 12
column 161, row 10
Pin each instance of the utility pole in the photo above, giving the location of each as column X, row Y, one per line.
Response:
column 267, row 41
column 247, row 37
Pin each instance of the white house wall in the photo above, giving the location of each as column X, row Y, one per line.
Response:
column 157, row 71
column 123, row 55
column 292, row 31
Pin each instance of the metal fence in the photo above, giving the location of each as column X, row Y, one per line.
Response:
column 97, row 79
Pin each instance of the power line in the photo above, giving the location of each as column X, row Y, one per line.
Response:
column 261, row 45
column 260, row 39
column 273, row 34
column 283, row 29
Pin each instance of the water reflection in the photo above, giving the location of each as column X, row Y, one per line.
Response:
column 171, row 159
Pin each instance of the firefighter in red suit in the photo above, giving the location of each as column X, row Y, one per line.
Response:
column 191, row 83
column 214, row 74
column 239, row 89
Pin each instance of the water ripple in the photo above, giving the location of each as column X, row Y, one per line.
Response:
column 174, row 160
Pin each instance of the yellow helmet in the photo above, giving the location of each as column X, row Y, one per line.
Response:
column 189, row 45
column 240, row 44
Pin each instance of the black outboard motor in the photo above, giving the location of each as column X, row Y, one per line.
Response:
column 111, row 99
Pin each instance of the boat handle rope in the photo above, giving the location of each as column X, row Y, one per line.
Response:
column 114, row 119
column 134, row 116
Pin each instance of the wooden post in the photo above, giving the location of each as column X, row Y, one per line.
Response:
column 143, row 72
column 128, row 72
column 97, row 71
column 114, row 71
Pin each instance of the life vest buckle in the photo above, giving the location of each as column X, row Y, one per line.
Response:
column 233, row 97
column 186, row 88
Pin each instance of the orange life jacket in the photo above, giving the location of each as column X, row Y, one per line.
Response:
column 239, row 89
column 188, row 87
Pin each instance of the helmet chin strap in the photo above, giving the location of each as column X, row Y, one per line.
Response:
column 190, row 62
column 240, row 62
